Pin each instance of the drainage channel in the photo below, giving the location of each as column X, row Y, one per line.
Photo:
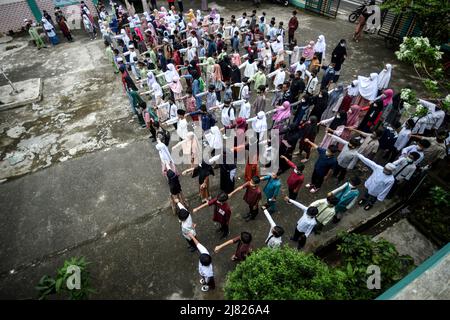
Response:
column 372, row 227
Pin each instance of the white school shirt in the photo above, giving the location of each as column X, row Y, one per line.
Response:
column 271, row 240
column 403, row 169
column 438, row 118
column 306, row 223
column 226, row 119
column 205, row 271
column 244, row 94
column 182, row 128
column 402, row 139
column 412, row 148
column 244, row 112
column 378, row 184
column 173, row 111
column 187, row 226
column 250, row 69
column 191, row 53
column 301, row 67
column 279, row 78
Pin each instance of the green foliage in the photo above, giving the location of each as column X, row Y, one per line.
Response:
column 433, row 16
column 285, row 273
column 360, row 251
column 427, row 62
column 439, row 196
column 48, row 286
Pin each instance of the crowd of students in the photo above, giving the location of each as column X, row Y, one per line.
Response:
column 214, row 75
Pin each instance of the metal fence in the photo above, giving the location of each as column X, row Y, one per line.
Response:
column 396, row 26
column 327, row 8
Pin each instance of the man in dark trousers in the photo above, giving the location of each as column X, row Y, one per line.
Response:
column 292, row 26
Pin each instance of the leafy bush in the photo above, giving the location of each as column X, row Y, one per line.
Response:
column 285, row 273
column 48, row 286
column 432, row 215
column 360, row 251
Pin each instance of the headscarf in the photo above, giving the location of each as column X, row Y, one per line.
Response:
column 388, row 93
column 191, row 146
column 353, row 117
column 340, row 119
column 236, row 59
column 213, row 13
column 241, row 123
column 335, row 95
column 215, row 138
column 164, row 153
column 47, row 25
column 157, row 89
column 284, row 113
column 384, row 77
column 170, row 73
column 368, row 87
column 175, row 85
column 125, row 37
column 353, row 89
column 320, row 45
column 150, row 79
column 217, row 73
column 308, row 52
column 260, row 123
column 190, row 15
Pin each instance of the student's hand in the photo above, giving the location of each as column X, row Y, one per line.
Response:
column 329, row 194
column 176, row 200
column 194, row 210
column 307, row 140
column 263, row 207
column 287, row 199
column 217, row 249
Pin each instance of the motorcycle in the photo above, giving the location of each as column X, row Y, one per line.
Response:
column 358, row 11
column 283, row 2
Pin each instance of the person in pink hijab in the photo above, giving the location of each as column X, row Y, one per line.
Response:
column 176, row 88
column 353, row 120
column 281, row 115
column 387, row 104
column 308, row 53
column 217, row 80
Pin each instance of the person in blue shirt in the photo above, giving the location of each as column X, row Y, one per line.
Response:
column 235, row 41
column 323, row 167
column 271, row 191
column 328, row 77
column 212, row 47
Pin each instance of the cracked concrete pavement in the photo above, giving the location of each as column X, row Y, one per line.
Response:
column 94, row 171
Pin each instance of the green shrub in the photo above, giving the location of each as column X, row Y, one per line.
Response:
column 285, row 273
column 359, row 252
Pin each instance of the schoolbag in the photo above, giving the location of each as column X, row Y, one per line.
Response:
column 234, row 109
column 165, row 136
column 201, row 84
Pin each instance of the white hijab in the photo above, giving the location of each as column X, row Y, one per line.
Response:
column 353, row 90
column 157, row 89
column 47, row 25
column 150, row 79
column 260, row 123
column 215, row 138
column 384, row 77
column 368, row 86
column 125, row 37
column 320, row 45
column 170, row 73
column 164, row 153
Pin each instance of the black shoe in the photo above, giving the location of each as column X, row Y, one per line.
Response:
column 225, row 235
column 292, row 239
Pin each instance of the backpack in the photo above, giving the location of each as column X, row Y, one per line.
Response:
column 201, row 84
column 234, row 109
column 165, row 136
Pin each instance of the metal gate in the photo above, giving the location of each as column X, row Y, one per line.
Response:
column 328, row 8
column 396, row 26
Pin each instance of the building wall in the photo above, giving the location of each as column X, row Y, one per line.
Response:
column 13, row 12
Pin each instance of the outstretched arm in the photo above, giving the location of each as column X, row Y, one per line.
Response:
column 364, row 134
column 368, row 162
column 185, row 172
column 295, row 203
column 238, row 189
column 312, row 144
column 338, row 139
column 223, row 245
column 200, row 207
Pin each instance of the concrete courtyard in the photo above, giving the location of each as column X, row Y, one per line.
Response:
column 81, row 178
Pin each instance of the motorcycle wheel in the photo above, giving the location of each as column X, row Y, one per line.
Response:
column 353, row 17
